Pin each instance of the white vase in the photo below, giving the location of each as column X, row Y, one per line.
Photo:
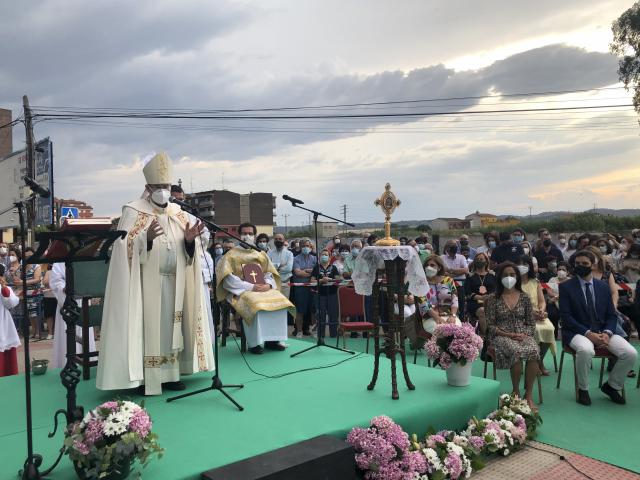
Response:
column 459, row 375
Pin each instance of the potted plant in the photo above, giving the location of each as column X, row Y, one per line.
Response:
column 454, row 348
column 109, row 439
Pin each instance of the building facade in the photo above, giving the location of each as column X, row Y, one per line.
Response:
column 449, row 224
column 84, row 210
column 230, row 209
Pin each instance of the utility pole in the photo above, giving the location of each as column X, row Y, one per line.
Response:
column 344, row 217
column 530, row 208
column 30, row 158
column 286, row 228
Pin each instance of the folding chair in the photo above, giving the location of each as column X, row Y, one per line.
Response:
column 351, row 305
column 601, row 353
column 491, row 354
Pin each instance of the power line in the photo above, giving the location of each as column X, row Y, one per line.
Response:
column 365, row 104
column 333, row 116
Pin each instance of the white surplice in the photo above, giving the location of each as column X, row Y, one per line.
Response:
column 8, row 334
column 57, row 283
column 267, row 326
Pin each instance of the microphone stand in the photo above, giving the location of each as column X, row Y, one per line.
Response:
column 320, row 342
column 216, row 382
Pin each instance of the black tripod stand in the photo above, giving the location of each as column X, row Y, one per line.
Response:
column 320, row 343
column 216, row 383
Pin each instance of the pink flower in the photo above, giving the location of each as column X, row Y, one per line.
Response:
column 82, row 448
column 454, row 464
column 93, row 431
column 110, row 405
column 140, row 423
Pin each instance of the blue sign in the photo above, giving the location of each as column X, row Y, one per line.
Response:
column 69, row 212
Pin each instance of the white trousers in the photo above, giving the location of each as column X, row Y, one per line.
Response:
column 618, row 346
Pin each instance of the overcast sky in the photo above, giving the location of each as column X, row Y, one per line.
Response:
column 240, row 54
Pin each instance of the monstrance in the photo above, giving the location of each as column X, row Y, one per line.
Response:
column 388, row 202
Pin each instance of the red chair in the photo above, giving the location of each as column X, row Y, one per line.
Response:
column 351, row 305
column 601, row 353
column 491, row 354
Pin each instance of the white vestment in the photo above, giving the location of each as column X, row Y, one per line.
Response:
column 57, row 283
column 8, row 334
column 267, row 326
column 154, row 325
column 207, row 277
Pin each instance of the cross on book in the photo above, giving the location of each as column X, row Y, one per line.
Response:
column 252, row 273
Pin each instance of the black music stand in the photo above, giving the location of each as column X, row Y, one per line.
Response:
column 71, row 246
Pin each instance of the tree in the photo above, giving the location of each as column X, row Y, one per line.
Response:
column 626, row 44
column 423, row 228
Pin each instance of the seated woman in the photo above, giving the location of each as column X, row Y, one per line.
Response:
column 441, row 304
column 511, row 328
column 479, row 286
column 552, row 295
column 544, row 329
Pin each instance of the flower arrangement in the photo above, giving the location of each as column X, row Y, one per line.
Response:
column 383, row 451
column 452, row 343
column 449, row 455
column 110, row 438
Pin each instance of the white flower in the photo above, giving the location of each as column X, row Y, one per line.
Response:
column 115, row 424
column 452, row 447
column 461, row 440
column 506, row 452
column 432, row 458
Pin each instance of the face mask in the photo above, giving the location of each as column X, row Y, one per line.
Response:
column 518, row 238
column 562, row 274
column 481, row 264
column 562, row 241
column 430, row 272
column 553, row 265
column 324, row 258
column 523, row 269
column 582, row 270
column 344, row 254
column 452, row 250
column 355, row 251
column 573, row 243
column 219, row 251
column 13, row 259
column 160, row 196
column 3, row 251
column 421, row 246
column 263, row 246
column 546, row 242
column 492, row 244
column 464, row 242
column 306, row 250
column 526, row 250
column 509, row 282
column 247, row 239
column 336, row 241
column 603, row 249
column 278, row 243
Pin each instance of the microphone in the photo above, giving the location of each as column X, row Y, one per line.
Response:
column 292, row 200
column 36, row 187
column 181, row 203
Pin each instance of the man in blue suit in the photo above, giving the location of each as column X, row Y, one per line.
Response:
column 589, row 321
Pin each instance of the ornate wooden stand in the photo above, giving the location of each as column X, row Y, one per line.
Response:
column 394, row 337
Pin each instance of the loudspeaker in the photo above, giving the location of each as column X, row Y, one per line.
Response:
column 320, row 458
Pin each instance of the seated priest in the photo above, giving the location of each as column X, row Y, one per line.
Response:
column 248, row 280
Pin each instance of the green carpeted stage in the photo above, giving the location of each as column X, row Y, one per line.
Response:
column 206, row 431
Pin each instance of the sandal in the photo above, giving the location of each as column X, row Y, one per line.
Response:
column 631, row 374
